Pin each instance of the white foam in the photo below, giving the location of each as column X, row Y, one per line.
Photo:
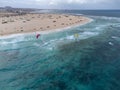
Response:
column 83, row 35
column 70, row 37
column 106, row 17
column 79, row 14
column 3, row 43
column 15, row 40
column 50, row 48
column 90, row 33
column 114, row 37
column 11, row 36
column 110, row 43
column 36, row 44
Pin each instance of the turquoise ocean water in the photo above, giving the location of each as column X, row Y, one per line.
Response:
column 58, row 61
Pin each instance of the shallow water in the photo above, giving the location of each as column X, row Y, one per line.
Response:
column 59, row 61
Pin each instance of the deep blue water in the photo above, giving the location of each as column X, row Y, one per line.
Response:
column 59, row 61
column 109, row 13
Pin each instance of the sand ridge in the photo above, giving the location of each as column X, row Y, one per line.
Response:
column 38, row 22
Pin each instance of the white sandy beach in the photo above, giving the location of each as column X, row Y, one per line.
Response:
column 38, row 23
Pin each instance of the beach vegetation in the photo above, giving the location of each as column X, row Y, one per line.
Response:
column 3, row 22
column 54, row 21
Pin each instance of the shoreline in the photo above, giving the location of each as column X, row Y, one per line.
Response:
column 44, row 32
column 88, row 20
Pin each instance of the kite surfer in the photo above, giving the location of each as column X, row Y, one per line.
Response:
column 37, row 36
